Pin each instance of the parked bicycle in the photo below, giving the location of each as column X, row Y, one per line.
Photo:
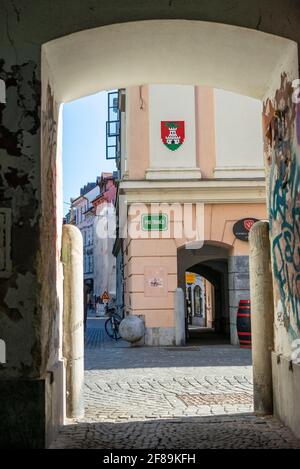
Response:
column 112, row 324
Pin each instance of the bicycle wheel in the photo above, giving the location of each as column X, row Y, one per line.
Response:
column 112, row 328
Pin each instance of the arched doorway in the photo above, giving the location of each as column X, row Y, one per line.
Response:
column 210, row 263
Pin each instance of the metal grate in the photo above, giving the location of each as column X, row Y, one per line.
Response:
column 216, row 399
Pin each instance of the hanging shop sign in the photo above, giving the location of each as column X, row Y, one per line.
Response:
column 242, row 227
column 155, row 222
column 190, row 277
column 172, row 134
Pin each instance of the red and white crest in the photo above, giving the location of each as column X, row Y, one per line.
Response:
column 248, row 222
column 172, row 134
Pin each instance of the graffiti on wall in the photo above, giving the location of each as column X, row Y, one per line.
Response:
column 284, row 202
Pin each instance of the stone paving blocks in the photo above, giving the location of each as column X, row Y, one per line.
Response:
column 162, row 398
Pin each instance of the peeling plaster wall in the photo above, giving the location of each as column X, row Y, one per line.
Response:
column 282, row 155
column 49, row 266
column 20, row 191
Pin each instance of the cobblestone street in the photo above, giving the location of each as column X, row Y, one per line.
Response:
column 191, row 397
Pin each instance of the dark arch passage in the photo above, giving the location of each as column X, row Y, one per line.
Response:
column 216, row 272
column 211, row 263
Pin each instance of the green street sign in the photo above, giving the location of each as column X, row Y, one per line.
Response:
column 155, row 222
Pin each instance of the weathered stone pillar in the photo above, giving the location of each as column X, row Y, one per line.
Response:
column 73, row 338
column 262, row 316
column 239, row 289
column 179, row 313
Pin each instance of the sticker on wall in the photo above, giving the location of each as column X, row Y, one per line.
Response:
column 172, row 134
column 242, row 227
column 155, row 281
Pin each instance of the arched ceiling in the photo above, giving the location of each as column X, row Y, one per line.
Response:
column 166, row 51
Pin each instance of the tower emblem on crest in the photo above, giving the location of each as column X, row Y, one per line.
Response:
column 172, row 134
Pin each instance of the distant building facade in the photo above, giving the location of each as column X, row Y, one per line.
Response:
column 187, row 150
column 91, row 212
column 104, row 236
column 81, row 216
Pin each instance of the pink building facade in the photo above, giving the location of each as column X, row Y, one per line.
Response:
column 181, row 203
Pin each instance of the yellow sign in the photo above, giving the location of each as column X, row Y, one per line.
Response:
column 190, row 278
column 105, row 296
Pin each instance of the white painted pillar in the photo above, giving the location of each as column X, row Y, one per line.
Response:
column 262, row 317
column 73, row 336
column 179, row 312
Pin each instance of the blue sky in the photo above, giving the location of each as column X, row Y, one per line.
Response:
column 84, row 143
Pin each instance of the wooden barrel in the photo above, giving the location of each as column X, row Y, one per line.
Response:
column 243, row 324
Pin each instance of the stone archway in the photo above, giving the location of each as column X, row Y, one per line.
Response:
column 211, row 262
column 142, row 53
column 257, row 64
column 216, row 272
